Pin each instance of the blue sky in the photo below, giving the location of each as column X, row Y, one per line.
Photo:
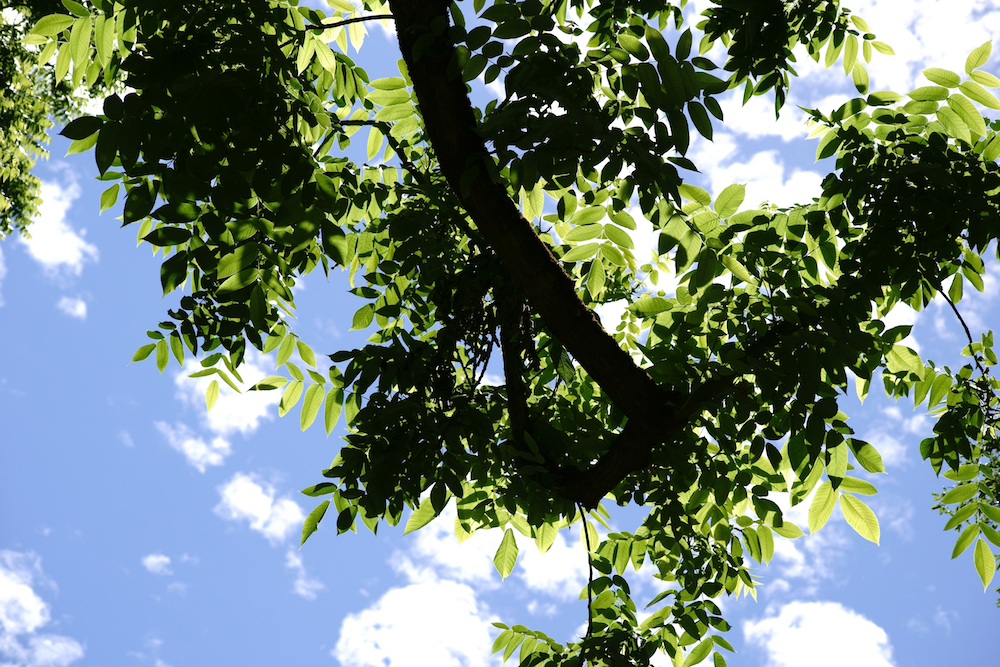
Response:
column 137, row 529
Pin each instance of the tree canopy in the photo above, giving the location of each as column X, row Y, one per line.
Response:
column 481, row 239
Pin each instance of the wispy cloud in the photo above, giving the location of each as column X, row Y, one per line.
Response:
column 245, row 498
column 23, row 613
column 73, row 307
column 304, row 586
column 54, row 243
column 199, row 453
column 158, row 564
column 790, row 634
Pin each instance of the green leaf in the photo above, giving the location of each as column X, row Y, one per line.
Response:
column 289, row 397
column 970, row 533
column 985, row 563
column 941, row 386
column 311, row 524
column 822, row 506
column 992, row 535
column 211, row 394
column 306, row 353
column 729, row 200
column 649, row 306
column 270, row 382
column 584, row 233
column 421, row 516
column 961, row 105
column 960, row 494
column 632, row 44
column 52, row 25
column 363, row 318
column 109, row 197
column 239, row 260
column 766, row 544
column 618, row 236
column 334, row 403
column 903, row 359
column 979, row 94
column 992, row 512
column 506, row 555
column 788, row 530
column 942, row 77
column 390, row 83
column 700, row 652
column 985, row 79
column 978, row 57
column 860, row 518
column 737, row 269
column 929, row 94
column 589, row 533
column 854, row 485
column 375, row 139
column 882, row 47
column 860, row 77
column 964, row 473
column 961, row 515
column 545, row 536
column 694, row 193
column 310, row 405
column 143, row 352
column 79, row 41
column 162, row 355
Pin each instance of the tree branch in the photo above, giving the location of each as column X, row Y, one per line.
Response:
column 451, row 127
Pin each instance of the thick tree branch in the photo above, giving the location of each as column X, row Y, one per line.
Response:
column 463, row 157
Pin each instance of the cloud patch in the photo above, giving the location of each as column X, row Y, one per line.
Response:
column 23, row 613
column 244, row 498
column 54, row 243
column 304, row 586
column 196, row 450
column 789, row 637
column 73, row 307
column 158, row 564
column 232, row 412
column 428, row 623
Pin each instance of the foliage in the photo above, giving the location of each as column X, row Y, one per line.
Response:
column 32, row 95
column 483, row 236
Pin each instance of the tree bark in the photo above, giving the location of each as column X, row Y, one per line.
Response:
column 451, row 128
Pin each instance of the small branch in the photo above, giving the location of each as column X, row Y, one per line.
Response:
column 386, row 132
column 590, row 577
column 356, row 19
column 968, row 334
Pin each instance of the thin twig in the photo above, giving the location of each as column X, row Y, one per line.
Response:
column 356, row 19
column 590, row 578
column 968, row 334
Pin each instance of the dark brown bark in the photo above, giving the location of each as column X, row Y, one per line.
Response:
column 451, row 128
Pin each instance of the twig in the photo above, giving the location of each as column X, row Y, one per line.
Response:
column 590, row 578
column 356, row 19
column 968, row 334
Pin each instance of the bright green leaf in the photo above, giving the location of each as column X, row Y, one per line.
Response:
column 860, row 518
column 506, row 555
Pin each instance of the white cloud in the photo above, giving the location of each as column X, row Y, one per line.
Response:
column 893, row 451
column 54, row 243
column 157, row 564
column 198, row 453
column 304, row 585
column 903, row 315
column 763, row 174
column 246, row 499
column 755, row 119
column 232, row 412
column 23, row 613
column 126, row 438
column 429, row 623
column 471, row 561
column 560, row 572
column 73, row 307
column 790, row 637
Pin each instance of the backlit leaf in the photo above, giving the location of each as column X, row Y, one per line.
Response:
column 211, row 394
column 860, row 518
column 311, row 524
column 822, row 506
column 310, row 405
column 506, row 555
column 421, row 516
column 985, row 563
